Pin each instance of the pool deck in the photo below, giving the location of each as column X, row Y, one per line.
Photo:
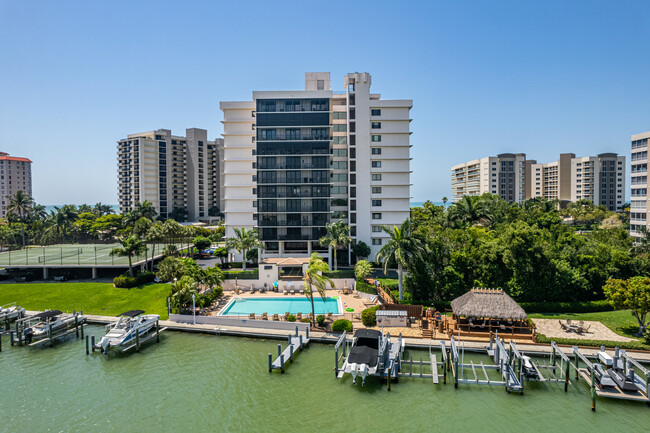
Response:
column 332, row 338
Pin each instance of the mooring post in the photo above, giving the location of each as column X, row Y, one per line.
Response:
column 420, row 366
column 444, row 368
column 289, row 339
column 388, row 380
column 20, row 338
column 11, row 337
column 49, row 334
column 279, row 349
column 270, row 363
column 282, row 363
column 137, row 340
column 456, row 373
column 411, row 369
column 296, row 330
column 566, row 376
column 593, row 390
column 336, row 362
column 157, row 332
column 92, row 343
column 553, row 356
column 6, row 324
column 76, row 326
column 300, row 338
column 577, row 362
column 307, row 332
column 87, row 351
column 291, row 352
column 81, row 325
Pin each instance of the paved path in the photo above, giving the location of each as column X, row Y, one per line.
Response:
column 597, row 331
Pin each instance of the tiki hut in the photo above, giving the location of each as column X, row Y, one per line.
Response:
column 486, row 310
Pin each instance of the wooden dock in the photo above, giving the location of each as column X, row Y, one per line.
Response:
column 296, row 342
column 611, row 392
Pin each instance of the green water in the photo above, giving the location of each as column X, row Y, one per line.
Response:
column 207, row 383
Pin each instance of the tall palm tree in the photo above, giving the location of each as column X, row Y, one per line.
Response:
column 19, row 204
column 338, row 236
column 362, row 269
column 244, row 241
column 171, row 230
column 153, row 236
column 402, row 245
column 130, row 247
column 146, row 210
column 101, row 209
column 314, row 278
column 182, row 291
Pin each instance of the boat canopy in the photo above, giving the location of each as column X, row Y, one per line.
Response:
column 365, row 348
column 46, row 314
column 132, row 313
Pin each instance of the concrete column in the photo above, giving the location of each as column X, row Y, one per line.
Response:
column 259, row 255
column 349, row 254
column 309, row 248
column 94, row 273
column 280, row 248
column 329, row 254
column 45, row 273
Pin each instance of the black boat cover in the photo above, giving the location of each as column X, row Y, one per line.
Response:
column 366, row 347
column 623, row 382
column 132, row 313
column 46, row 314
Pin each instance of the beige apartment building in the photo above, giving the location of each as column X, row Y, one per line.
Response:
column 639, row 184
column 15, row 175
column 502, row 175
column 172, row 172
column 599, row 179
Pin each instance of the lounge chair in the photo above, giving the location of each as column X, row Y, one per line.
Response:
column 276, row 317
column 253, row 289
column 286, row 316
column 568, row 322
column 251, row 316
column 585, row 329
column 286, row 292
column 298, row 317
column 329, row 315
column 265, row 316
column 370, row 303
column 292, row 292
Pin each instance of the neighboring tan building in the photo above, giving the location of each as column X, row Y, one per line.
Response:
column 296, row 160
column 15, row 175
column 502, row 175
column 599, row 179
column 639, row 185
column 171, row 172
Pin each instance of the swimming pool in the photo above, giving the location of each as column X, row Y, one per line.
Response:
column 245, row 306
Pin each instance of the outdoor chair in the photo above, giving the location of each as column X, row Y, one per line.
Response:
column 568, row 322
column 298, row 317
column 265, row 316
column 563, row 326
column 585, row 329
column 292, row 292
column 251, row 316
column 286, row 316
column 286, row 292
column 329, row 315
column 253, row 289
column 276, row 317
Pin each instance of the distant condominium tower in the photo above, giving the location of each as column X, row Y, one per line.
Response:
column 172, row 172
column 639, row 184
column 297, row 160
column 502, row 175
column 599, row 179
column 15, row 175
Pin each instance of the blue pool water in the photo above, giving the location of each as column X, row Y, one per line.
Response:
column 243, row 307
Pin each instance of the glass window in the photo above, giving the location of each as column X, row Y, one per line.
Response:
column 339, row 177
column 376, row 202
column 340, row 140
column 376, row 164
column 340, row 152
column 375, row 112
column 376, row 150
column 339, row 165
column 339, row 190
column 376, row 125
column 340, row 128
column 376, row 229
column 376, row 216
column 376, row 190
column 340, row 115
column 376, row 177
column 376, row 138
column 376, row 241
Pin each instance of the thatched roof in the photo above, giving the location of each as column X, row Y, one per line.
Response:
column 487, row 303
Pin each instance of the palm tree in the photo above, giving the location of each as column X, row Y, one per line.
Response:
column 131, row 246
column 182, row 291
column 362, row 269
column 171, row 229
column 314, row 278
column 146, row 210
column 338, row 236
column 402, row 246
column 101, row 209
column 466, row 210
column 153, row 236
column 19, row 204
column 444, row 200
column 244, row 241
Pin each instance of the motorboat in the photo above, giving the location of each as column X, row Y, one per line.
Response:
column 364, row 354
column 603, row 376
column 624, row 381
column 529, row 370
column 11, row 312
column 124, row 331
column 40, row 325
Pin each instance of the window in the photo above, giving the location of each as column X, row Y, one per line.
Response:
column 376, row 164
column 374, row 138
column 339, row 165
column 376, row 229
column 376, row 125
column 376, row 241
column 340, row 115
column 340, row 128
column 255, row 203
column 339, row 190
column 376, row 216
column 340, row 152
column 376, row 177
column 254, row 178
column 339, row 177
column 320, row 84
column 254, row 191
column 340, row 140
column 376, row 202
column 375, row 112
column 376, row 150
column 376, row 190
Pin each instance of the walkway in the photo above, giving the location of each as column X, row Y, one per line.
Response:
column 597, row 331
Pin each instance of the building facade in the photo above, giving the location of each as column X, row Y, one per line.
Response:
column 176, row 174
column 639, row 184
column 502, row 175
column 15, row 175
column 297, row 160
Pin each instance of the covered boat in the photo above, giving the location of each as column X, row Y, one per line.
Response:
column 11, row 312
column 364, row 354
column 39, row 325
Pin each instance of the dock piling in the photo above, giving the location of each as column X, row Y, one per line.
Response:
column 593, row 389
column 307, row 332
column 76, row 325
column 282, row 363
column 87, row 351
column 20, row 338
column 157, row 332
column 566, row 377
column 81, row 325
column 92, row 343
column 49, row 334
column 336, row 361
column 137, row 340
column 279, row 349
column 270, row 363
column 300, row 338
column 388, row 380
column 11, row 337
column 296, row 330
column 291, row 352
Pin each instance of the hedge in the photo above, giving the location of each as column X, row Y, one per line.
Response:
column 347, row 273
column 364, row 287
column 369, row 316
column 342, row 325
column 126, row 282
column 566, row 307
column 632, row 345
column 241, row 275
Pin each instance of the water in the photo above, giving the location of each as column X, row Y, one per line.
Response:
column 207, row 383
column 243, row 307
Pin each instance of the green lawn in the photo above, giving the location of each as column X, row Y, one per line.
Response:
column 91, row 298
column 621, row 322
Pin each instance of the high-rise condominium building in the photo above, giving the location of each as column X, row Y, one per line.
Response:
column 296, row 160
column 599, row 179
column 502, row 175
column 15, row 175
column 172, row 172
column 639, row 197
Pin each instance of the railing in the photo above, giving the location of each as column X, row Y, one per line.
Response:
column 293, row 166
column 285, row 209
column 282, row 137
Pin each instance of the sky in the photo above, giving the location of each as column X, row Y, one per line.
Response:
column 541, row 77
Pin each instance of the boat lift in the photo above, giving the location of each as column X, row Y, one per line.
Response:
column 9, row 313
column 297, row 342
column 74, row 324
column 551, row 372
column 620, row 360
column 432, row 365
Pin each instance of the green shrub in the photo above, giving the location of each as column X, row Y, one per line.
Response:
column 369, row 317
column 342, row 325
column 631, row 345
column 241, row 275
column 320, row 319
column 346, row 273
column 566, row 307
column 145, row 277
column 646, row 336
column 122, row 282
column 291, row 318
column 364, row 287
column 305, row 320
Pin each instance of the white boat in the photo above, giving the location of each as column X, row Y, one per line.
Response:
column 529, row 370
column 123, row 332
column 40, row 325
column 11, row 312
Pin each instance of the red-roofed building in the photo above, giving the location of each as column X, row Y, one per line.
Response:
column 15, row 175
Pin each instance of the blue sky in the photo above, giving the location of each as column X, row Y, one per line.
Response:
column 486, row 77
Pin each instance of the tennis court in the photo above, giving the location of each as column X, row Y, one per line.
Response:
column 72, row 254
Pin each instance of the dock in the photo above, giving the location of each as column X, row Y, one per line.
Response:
column 76, row 327
column 432, row 365
column 137, row 344
column 295, row 343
